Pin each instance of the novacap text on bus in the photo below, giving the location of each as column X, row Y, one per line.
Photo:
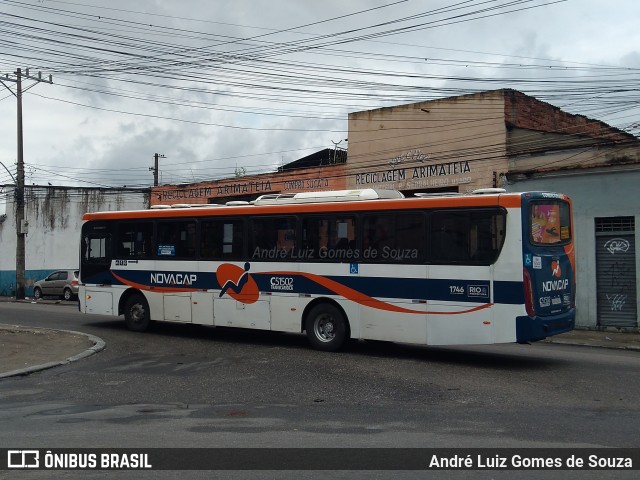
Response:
column 484, row 268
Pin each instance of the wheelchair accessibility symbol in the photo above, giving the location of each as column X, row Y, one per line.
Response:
column 353, row 268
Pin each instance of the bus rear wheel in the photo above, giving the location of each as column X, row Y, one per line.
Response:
column 136, row 313
column 326, row 327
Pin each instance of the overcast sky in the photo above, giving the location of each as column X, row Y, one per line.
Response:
column 218, row 86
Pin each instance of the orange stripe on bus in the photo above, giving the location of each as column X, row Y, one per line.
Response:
column 504, row 200
column 365, row 300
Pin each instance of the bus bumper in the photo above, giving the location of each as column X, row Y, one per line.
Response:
column 531, row 329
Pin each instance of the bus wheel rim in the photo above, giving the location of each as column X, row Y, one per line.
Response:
column 137, row 313
column 324, row 328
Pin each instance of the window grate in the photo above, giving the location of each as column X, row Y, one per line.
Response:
column 615, row 224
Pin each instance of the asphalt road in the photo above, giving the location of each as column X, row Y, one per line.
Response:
column 186, row 386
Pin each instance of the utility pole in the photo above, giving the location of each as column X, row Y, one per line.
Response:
column 154, row 169
column 21, row 224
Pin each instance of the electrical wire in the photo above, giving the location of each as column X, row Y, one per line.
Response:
column 259, row 70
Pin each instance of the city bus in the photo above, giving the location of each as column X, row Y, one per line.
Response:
column 482, row 268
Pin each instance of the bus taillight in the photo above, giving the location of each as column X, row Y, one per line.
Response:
column 528, row 294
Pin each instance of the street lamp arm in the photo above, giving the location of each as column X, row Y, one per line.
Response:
column 12, row 177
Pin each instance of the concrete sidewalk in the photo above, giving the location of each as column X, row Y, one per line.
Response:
column 24, row 350
column 599, row 338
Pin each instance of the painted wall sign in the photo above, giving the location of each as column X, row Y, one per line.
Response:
column 306, row 184
column 413, row 176
column 239, row 188
column 306, row 179
column 178, row 193
column 244, row 187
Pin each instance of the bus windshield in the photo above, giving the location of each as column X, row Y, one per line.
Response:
column 549, row 222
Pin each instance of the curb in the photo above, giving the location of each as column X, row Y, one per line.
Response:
column 42, row 301
column 579, row 343
column 98, row 345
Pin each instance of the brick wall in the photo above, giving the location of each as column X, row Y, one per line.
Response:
column 522, row 111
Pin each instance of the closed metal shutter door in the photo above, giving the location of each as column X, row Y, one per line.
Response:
column 616, row 272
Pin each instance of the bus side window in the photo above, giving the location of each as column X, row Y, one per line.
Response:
column 221, row 239
column 176, row 239
column 208, row 244
column 343, row 233
column 134, row 240
column 482, row 240
column 189, row 240
column 273, row 238
column 397, row 238
column 449, row 238
column 471, row 236
column 95, row 249
column 378, row 235
column 164, row 240
column 315, row 234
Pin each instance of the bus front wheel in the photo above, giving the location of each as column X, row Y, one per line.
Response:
column 136, row 313
column 326, row 327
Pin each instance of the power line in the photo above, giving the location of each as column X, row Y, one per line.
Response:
column 252, row 73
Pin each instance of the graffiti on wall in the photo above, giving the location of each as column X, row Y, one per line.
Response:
column 619, row 275
column 617, row 245
column 616, row 302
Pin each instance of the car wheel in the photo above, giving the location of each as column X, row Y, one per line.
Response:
column 326, row 327
column 136, row 313
column 68, row 294
column 37, row 293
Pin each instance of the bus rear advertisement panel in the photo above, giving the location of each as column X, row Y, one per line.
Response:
column 457, row 270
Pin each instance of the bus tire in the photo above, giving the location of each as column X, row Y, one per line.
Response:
column 326, row 327
column 136, row 313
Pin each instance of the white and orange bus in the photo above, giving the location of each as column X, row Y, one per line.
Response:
column 484, row 268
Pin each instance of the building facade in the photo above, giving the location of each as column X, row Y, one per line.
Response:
column 453, row 145
column 54, row 216
column 463, row 143
column 324, row 170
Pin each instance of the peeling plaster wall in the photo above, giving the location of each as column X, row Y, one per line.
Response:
column 55, row 218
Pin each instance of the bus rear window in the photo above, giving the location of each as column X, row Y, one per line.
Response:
column 549, row 222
